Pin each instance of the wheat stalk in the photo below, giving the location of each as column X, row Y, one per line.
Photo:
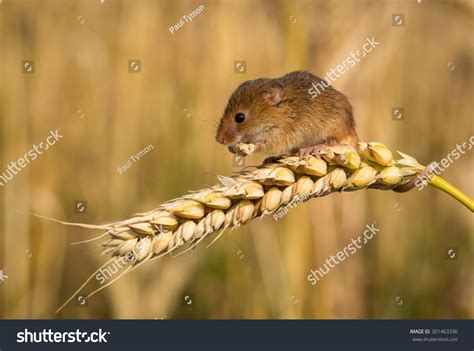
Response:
column 257, row 192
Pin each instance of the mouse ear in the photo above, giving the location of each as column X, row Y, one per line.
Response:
column 272, row 92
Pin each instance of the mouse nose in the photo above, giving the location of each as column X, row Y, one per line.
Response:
column 226, row 137
column 220, row 138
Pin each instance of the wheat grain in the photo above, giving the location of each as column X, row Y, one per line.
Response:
column 254, row 193
column 245, row 149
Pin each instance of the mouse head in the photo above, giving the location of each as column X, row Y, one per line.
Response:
column 253, row 111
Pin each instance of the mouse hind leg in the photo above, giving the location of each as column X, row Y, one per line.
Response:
column 305, row 152
column 317, row 150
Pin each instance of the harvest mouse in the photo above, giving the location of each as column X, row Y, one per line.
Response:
column 281, row 115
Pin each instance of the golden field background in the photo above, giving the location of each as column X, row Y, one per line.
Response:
column 82, row 85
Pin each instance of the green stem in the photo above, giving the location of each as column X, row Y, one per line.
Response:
column 442, row 184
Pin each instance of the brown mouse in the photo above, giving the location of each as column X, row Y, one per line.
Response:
column 285, row 115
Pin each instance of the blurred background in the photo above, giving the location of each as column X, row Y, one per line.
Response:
column 114, row 79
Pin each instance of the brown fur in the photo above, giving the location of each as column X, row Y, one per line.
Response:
column 282, row 117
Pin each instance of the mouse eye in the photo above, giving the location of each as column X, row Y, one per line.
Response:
column 239, row 117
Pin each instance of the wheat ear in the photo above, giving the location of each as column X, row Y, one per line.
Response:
column 262, row 191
